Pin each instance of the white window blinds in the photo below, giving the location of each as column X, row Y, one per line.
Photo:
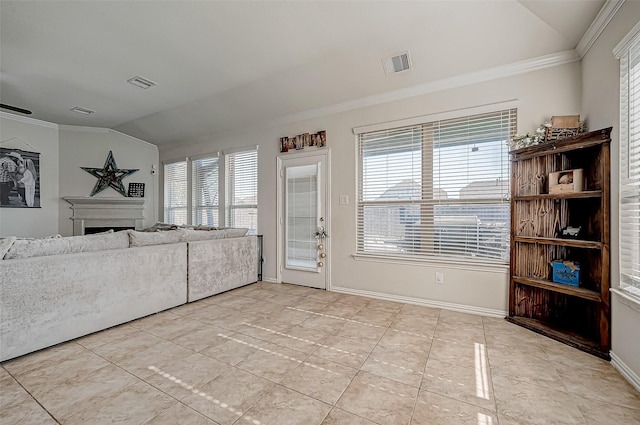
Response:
column 175, row 193
column 437, row 190
column 205, row 188
column 630, row 167
column 242, row 190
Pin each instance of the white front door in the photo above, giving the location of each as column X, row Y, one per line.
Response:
column 303, row 187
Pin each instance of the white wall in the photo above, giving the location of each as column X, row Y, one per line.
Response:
column 541, row 94
column 89, row 147
column 601, row 107
column 41, row 137
column 64, row 149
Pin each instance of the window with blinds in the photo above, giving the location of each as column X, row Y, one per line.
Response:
column 205, row 191
column 241, row 176
column 175, row 193
column 437, row 190
column 630, row 166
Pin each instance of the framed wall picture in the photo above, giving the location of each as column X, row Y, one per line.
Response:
column 19, row 178
column 136, row 190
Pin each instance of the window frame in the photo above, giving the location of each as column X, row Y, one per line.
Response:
column 229, row 206
column 629, row 246
column 222, row 207
column 166, row 208
column 194, row 187
column 427, row 201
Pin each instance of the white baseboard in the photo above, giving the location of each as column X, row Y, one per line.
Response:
column 270, row 280
column 625, row 371
column 419, row 301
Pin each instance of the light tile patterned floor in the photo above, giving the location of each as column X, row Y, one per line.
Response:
column 270, row 354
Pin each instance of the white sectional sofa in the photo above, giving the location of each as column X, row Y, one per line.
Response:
column 54, row 290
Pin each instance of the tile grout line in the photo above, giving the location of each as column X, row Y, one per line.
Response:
column 413, row 411
column 487, row 331
column 30, row 395
column 164, row 392
column 493, row 390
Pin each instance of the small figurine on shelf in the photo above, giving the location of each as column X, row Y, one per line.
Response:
column 570, row 232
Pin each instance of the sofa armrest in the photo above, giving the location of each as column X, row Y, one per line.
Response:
column 219, row 265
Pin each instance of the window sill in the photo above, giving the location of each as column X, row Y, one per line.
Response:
column 628, row 298
column 469, row 265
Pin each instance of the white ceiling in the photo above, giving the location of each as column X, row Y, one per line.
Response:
column 224, row 65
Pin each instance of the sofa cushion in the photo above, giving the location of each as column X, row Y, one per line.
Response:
column 159, row 226
column 154, row 238
column 235, row 233
column 204, row 227
column 99, row 241
column 5, row 244
column 189, row 235
column 28, row 248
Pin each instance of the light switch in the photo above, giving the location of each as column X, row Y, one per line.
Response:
column 344, row 199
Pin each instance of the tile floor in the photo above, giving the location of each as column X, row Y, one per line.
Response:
column 270, row 354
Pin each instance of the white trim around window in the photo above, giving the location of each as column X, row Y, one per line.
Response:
column 200, row 190
column 436, row 191
column 241, row 188
column 628, row 52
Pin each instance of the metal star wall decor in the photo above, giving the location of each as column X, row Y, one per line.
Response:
column 109, row 175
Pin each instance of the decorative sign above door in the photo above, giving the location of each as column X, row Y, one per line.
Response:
column 301, row 141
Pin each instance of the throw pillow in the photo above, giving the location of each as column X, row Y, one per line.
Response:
column 5, row 244
column 154, row 238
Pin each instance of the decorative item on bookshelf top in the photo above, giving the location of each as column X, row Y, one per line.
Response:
column 528, row 139
column 557, row 128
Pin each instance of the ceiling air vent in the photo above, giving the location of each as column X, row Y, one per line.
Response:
column 141, row 82
column 397, row 63
column 83, row 111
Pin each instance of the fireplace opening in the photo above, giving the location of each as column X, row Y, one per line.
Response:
column 92, row 230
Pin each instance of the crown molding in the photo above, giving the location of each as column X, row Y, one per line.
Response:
column 503, row 71
column 28, row 120
column 598, row 25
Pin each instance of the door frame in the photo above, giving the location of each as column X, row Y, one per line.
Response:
column 326, row 153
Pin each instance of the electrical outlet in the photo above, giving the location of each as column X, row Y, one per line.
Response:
column 344, row 199
column 439, row 277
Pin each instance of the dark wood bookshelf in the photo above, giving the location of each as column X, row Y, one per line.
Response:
column 576, row 315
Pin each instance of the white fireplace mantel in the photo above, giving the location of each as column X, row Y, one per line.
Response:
column 105, row 212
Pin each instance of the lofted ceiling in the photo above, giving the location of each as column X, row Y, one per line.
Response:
column 222, row 65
